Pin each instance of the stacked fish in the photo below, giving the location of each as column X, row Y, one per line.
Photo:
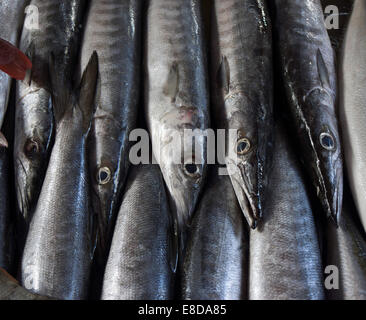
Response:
column 265, row 220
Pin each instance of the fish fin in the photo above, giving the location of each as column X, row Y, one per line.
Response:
column 87, row 90
column 3, row 141
column 223, row 75
column 171, row 86
column 60, row 93
column 322, row 70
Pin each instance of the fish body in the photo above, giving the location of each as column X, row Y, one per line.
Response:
column 285, row 259
column 58, row 252
column 177, row 98
column 241, row 46
column 5, row 219
column 308, row 68
column 139, row 266
column 353, row 105
column 216, row 261
column 346, row 250
column 58, row 31
column 11, row 11
column 11, row 290
column 113, row 29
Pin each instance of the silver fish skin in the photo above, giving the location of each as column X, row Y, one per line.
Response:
column 113, row 29
column 353, row 105
column 216, row 262
column 59, row 32
column 139, row 266
column 5, row 222
column 11, row 290
column 177, row 98
column 284, row 253
column 242, row 95
column 58, row 252
column 346, row 249
column 308, row 69
column 11, row 11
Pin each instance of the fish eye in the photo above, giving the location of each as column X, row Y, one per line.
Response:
column 191, row 169
column 243, row 146
column 31, row 148
column 103, row 175
column 327, row 141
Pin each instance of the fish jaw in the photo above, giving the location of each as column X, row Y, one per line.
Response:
column 246, row 185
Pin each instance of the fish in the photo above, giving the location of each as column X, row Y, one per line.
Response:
column 140, row 265
column 216, row 263
column 285, row 261
column 58, row 31
column 177, row 100
column 307, row 64
column 346, row 250
column 58, row 252
column 11, row 290
column 242, row 96
column 6, row 230
column 11, row 11
column 352, row 105
column 113, row 29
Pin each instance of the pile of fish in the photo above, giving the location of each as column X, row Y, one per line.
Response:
column 270, row 218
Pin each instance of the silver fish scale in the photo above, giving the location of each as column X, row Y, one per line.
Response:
column 106, row 33
column 57, row 254
column 138, row 264
column 182, row 40
column 285, row 260
column 216, row 262
column 312, row 29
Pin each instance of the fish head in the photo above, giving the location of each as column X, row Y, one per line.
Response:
column 31, row 148
column 328, row 163
column 183, row 162
column 246, row 159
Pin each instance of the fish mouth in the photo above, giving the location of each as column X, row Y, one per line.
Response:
column 247, row 193
column 333, row 196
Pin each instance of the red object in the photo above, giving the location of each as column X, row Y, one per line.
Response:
column 13, row 61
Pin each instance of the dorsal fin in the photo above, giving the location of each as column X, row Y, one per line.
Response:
column 87, row 90
column 171, row 87
column 322, row 70
column 223, row 75
column 60, row 92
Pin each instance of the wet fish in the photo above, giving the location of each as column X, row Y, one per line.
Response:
column 113, row 29
column 11, row 11
column 353, row 105
column 5, row 219
column 285, row 259
column 139, row 263
column 58, row 32
column 216, row 262
column 177, row 98
column 11, row 290
column 58, row 252
column 242, row 90
column 308, row 68
column 346, row 249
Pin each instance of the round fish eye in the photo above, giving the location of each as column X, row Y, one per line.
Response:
column 191, row 169
column 103, row 175
column 31, row 148
column 243, row 146
column 327, row 141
